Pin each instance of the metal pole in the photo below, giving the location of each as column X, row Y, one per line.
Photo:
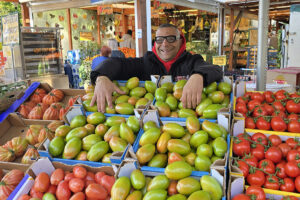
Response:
column 13, row 62
column 262, row 50
column 149, row 33
column 220, row 29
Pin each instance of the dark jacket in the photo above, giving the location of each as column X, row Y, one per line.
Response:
column 186, row 65
column 117, row 54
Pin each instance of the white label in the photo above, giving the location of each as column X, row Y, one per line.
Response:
column 139, row 33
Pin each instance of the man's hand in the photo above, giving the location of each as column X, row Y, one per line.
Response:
column 192, row 91
column 103, row 93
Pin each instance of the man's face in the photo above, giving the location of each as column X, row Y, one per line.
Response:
column 167, row 51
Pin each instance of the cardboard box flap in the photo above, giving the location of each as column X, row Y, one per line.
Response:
column 220, row 176
column 236, row 186
column 72, row 112
column 224, row 116
column 165, row 79
column 127, row 168
column 42, row 165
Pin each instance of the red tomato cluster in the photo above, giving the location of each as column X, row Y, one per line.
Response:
column 278, row 111
column 257, row 193
column 268, row 162
column 77, row 185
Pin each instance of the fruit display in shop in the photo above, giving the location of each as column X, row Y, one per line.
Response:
column 162, row 187
column 173, row 142
column 9, row 182
column 45, row 106
column 134, row 97
column 268, row 162
column 277, row 111
column 94, row 137
column 214, row 97
column 78, row 184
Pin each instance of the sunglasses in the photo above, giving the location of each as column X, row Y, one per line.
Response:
column 169, row 38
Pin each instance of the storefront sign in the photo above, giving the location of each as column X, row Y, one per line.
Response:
column 219, row 60
column 86, row 36
column 10, row 29
column 2, row 63
column 105, row 10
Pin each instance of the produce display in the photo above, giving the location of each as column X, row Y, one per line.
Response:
column 26, row 147
column 277, row 111
column 94, row 137
column 214, row 97
column 43, row 106
column 9, row 182
column 268, row 162
column 158, row 147
column 75, row 185
column 165, row 187
column 135, row 96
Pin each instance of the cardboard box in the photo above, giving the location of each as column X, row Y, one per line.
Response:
column 290, row 75
column 14, row 126
column 45, row 165
column 236, row 178
column 55, row 81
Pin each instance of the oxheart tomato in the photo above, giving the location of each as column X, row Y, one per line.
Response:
column 241, row 197
column 278, row 124
column 288, row 185
column 292, row 107
column 297, row 183
column 262, row 124
column 275, row 140
column 292, row 169
column 252, row 104
column 280, row 169
column 258, row 151
column 272, row 183
column 267, row 166
column 293, row 155
column 258, row 96
column 294, row 126
column 274, row 154
column 249, row 123
column 241, row 146
column 257, row 178
column 256, row 191
column 243, row 167
column 269, row 96
column 260, row 138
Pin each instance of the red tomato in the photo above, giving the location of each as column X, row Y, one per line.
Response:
column 52, row 189
column 288, row 185
column 289, row 198
column 257, row 178
column 262, row 124
column 272, row 183
column 291, row 169
column 57, row 176
column 96, row 191
column 243, row 167
column 98, row 177
column 76, row 185
column 37, row 194
column 259, row 111
column 241, row 197
column 285, row 148
column 270, row 109
column 293, row 155
column 278, row 106
column 258, row 96
column 248, row 95
column 42, row 182
column 78, row 196
column 79, row 172
column 24, row 197
column 269, row 96
column 292, row 143
column 172, row 188
column 293, row 117
column 281, row 171
column 278, row 124
column 63, row 192
column 243, row 100
column 279, row 113
column 275, row 140
column 251, row 160
column 256, row 191
column 292, row 107
column 297, row 183
column 241, row 147
column 274, row 154
column 295, row 95
column 258, row 151
column 252, row 104
column 107, row 182
column 87, row 182
column 90, row 176
column 260, row 138
column 249, row 123
column 281, row 95
column 267, row 166
column 294, row 126
column 241, row 108
column 69, row 176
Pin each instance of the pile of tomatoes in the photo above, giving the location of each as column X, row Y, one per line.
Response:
column 278, row 111
column 77, row 185
column 257, row 193
column 268, row 162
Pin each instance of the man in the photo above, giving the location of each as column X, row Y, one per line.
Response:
column 168, row 57
column 128, row 41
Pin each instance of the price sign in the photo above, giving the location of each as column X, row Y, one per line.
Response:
column 219, row 60
column 10, row 29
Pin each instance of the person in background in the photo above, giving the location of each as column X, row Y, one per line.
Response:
column 128, row 41
column 104, row 54
column 113, row 44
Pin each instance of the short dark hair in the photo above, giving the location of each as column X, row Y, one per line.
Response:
column 105, row 51
column 170, row 26
column 129, row 32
